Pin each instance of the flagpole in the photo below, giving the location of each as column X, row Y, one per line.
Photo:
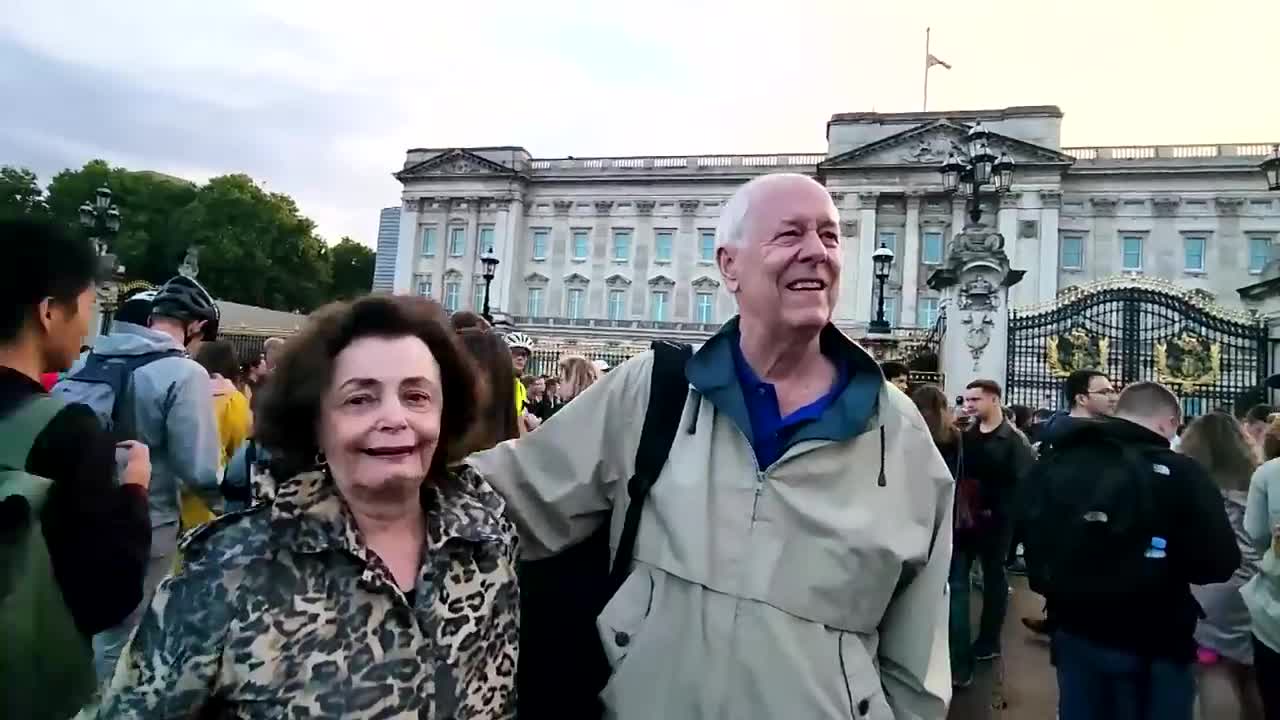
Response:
column 925, row 106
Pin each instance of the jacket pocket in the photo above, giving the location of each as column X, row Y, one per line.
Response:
column 863, row 692
column 623, row 618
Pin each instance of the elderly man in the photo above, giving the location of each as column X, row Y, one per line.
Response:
column 792, row 557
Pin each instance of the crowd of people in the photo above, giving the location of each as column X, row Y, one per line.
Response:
column 388, row 515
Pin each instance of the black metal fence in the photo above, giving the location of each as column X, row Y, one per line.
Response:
column 248, row 345
column 1210, row 356
column 545, row 358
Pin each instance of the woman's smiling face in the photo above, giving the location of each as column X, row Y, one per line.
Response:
column 380, row 420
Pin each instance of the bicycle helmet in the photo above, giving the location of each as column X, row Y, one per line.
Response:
column 136, row 308
column 184, row 299
column 519, row 341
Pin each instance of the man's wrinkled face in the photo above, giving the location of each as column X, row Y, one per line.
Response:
column 785, row 269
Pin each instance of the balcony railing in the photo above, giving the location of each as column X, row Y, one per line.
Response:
column 1175, row 152
column 692, row 162
column 562, row 322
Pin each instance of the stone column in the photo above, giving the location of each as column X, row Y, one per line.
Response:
column 1050, row 207
column 502, row 238
column 1007, row 225
column 862, row 268
column 509, row 269
column 910, row 262
column 407, row 247
column 975, row 278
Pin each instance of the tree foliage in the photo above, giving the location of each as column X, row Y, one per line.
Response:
column 256, row 247
column 20, row 192
column 352, row 269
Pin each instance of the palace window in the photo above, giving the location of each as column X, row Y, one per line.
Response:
column 1259, row 252
column 705, row 307
column 486, row 239
column 658, row 305
column 540, row 244
column 429, row 241
column 926, row 312
column 452, row 289
column 621, row 245
column 581, row 245
column 1131, row 253
column 457, row 241
column 706, row 246
column 617, row 304
column 1193, row 247
column 1072, row 252
column 424, row 285
column 533, row 306
column 889, row 239
column 662, row 246
column 575, row 303
column 931, row 248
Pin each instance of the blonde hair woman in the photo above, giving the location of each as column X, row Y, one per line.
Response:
column 576, row 375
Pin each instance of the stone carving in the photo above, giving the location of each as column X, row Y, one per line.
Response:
column 617, row 280
column 705, row 283
column 688, row 207
column 562, row 207
column 1028, row 228
column 1228, row 205
column 1009, row 200
column 1050, row 199
column 1104, row 205
column 575, row 279
column 928, row 150
column 411, row 205
column 644, row 207
column 977, row 334
column 604, row 206
column 978, row 294
column 531, row 278
column 1166, row 205
column 661, row 281
column 837, row 198
column 868, row 200
column 501, row 204
column 190, row 266
column 848, row 228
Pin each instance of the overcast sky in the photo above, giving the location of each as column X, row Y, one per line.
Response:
column 320, row 99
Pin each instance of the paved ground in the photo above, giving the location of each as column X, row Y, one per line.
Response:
column 1020, row 686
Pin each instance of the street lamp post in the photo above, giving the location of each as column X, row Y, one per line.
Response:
column 490, row 262
column 101, row 220
column 882, row 259
column 974, row 168
column 1271, row 168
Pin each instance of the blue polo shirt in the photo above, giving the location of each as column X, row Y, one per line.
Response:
column 770, row 432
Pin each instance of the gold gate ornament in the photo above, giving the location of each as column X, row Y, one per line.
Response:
column 1076, row 350
column 1186, row 361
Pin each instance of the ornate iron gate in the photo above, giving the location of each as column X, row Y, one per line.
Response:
column 1136, row 329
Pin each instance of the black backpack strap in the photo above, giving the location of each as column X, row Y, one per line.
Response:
column 668, row 390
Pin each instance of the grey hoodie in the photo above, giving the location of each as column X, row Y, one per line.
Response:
column 173, row 413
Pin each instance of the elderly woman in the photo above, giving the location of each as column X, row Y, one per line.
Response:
column 377, row 579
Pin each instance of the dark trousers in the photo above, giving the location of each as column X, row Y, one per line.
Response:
column 990, row 553
column 1099, row 683
column 1266, row 664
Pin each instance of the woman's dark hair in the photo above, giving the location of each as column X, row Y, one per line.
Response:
column 933, row 406
column 219, row 357
column 288, row 413
column 1217, row 441
column 498, row 421
column 1021, row 416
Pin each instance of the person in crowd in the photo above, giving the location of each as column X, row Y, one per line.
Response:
column 1262, row 593
column 576, row 375
column 896, row 373
column 497, row 420
column 252, row 374
column 1256, row 421
column 465, row 319
column 171, row 412
column 940, row 418
column 796, row 544
column 1119, row 527
column 272, row 348
column 1091, row 396
column 1039, row 418
column 378, row 580
column 996, row 458
column 521, row 346
column 537, row 402
column 601, row 366
column 230, row 406
column 1228, row 687
column 94, row 524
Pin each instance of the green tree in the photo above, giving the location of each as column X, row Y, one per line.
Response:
column 20, row 192
column 352, row 269
column 147, row 245
column 255, row 246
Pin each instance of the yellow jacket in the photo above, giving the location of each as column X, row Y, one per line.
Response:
column 235, row 424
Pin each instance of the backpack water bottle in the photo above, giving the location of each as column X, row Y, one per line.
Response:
column 1157, row 549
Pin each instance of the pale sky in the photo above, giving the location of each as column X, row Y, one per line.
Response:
column 320, row 99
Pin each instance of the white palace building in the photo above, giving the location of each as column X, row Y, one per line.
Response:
column 622, row 248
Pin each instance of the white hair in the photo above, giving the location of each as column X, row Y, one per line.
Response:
column 731, row 227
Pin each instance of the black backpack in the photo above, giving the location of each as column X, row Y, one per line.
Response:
column 1090, row 515
column 563, row 667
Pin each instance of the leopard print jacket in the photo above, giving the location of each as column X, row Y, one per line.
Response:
column 283, row 611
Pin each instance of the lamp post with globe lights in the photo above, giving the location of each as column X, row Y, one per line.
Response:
column 975, row 167
column 490, row 262
column 101, row 220
column 882, row 260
